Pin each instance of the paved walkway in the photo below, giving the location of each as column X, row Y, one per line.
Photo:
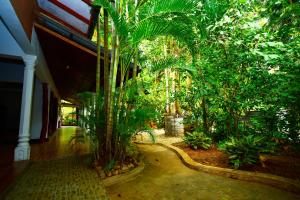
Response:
column 166, row 178
column 61, row 179
column 59, row 171
column 60, row 145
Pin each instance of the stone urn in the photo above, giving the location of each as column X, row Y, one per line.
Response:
column 174, row 126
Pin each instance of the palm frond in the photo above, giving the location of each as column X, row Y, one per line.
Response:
column 119, row 21
column 162, row 7
column 179, row 27
column 160, row 65
column 148, row 29
column 173, row 63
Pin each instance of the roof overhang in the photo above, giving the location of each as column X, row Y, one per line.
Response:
column 75, row 14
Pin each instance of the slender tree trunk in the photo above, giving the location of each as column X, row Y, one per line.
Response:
column 111, row 94
column 173, row 91
column 168, row 110
column 205, row 117
column 110, row 100
column 98, row 60
column 113, row 91
column 119, row 146
column 121, row 90
column 177, row 89
column 127, row 75
column 135, row 57
column 173, row 77
column 97, row 106
column 106, row 83
column 106, row 58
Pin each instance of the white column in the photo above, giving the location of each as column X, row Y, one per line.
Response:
column 22, row 151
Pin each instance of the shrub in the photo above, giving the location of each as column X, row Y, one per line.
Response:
column 246, row 150
column 197, row 140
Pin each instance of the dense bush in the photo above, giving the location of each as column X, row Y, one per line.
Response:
column 197, row 140
column 230, row 68
column 247, row 71
column 246, row 150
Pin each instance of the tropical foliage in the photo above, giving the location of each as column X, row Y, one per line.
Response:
column 246, row 150
column 197, row 140
column 230, row 67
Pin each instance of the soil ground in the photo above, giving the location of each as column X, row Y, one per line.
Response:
column 285, row 165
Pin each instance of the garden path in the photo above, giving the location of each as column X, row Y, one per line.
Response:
column 166, row 178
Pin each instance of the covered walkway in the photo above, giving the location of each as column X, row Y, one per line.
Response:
column 57, row 170
column 59, row 146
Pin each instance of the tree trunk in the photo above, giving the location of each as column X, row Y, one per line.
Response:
column 121, row 90
column 106, row 83
column 97, row 106
column 205, row 118
column 168, row 110
column 167, row 92
column 177, row 89
column 135, row 57
column 173, row 91
column 109, row 113
column 111, row 94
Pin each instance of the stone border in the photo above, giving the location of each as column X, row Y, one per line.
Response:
column 268, row 179
column 125, row 177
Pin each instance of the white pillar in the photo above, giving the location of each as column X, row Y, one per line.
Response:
column 22, row 151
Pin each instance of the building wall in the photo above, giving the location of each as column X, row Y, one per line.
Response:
column 25, row 10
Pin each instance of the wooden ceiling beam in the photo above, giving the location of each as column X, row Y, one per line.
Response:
column 64, row 39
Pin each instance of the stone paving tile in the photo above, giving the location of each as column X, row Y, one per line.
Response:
column 67, row 178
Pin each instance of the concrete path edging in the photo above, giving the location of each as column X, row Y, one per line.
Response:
column 268, row 179
column 125, row 177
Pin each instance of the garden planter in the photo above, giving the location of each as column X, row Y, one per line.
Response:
column 174, row 126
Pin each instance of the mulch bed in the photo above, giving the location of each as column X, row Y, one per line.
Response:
column 284, row 165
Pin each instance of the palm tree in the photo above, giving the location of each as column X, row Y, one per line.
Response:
column 106, row 78
column 98, row 128
column 156, row 18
